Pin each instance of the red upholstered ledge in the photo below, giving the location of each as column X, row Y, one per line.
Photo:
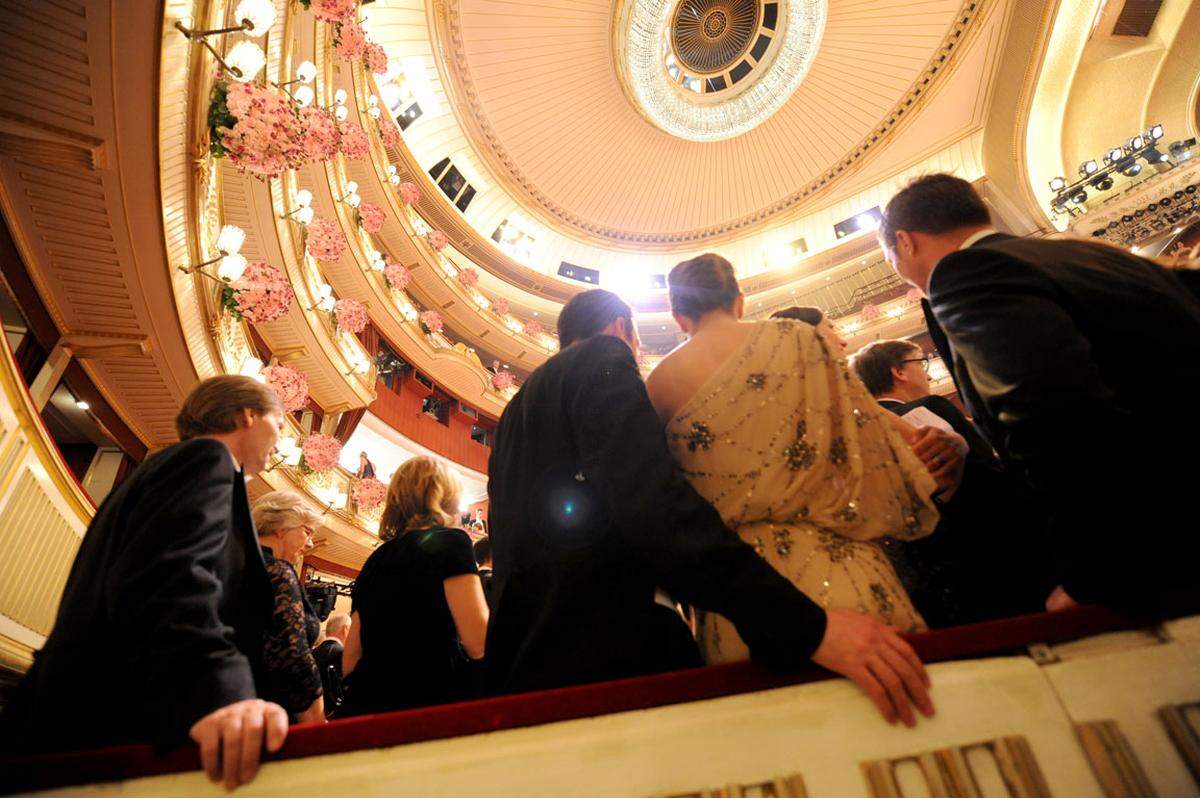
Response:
column 44, row 771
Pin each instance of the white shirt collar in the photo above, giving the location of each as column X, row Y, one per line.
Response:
column 970, row 241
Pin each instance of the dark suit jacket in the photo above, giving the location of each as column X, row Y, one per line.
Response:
column 589, row 514
column 1075, row 359
column 162, row 617
column 987, row 557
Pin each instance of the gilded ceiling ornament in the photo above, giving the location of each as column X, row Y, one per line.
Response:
column 706, row 70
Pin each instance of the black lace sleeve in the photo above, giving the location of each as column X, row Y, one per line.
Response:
column 294, row 680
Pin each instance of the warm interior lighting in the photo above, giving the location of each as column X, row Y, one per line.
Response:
column 416, row 79
column 245, row 60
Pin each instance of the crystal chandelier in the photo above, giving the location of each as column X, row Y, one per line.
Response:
column 669, row 90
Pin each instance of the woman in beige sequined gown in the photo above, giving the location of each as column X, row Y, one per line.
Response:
column 769, row 425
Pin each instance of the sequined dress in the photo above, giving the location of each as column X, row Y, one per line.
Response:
column 801, row 461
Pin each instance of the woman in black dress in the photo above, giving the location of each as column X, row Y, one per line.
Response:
column 419, row 617
column 285, row 527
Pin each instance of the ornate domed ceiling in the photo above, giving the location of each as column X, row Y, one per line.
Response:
column 539, row 91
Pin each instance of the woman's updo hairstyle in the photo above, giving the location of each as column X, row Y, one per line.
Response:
column 423, row 493
column 704, row 283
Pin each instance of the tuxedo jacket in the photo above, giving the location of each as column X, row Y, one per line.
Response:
column 589, row 515
column 1073, row 357
column 987, row 557
column 162, row 618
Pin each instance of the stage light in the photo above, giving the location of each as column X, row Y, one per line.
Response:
column 1136, row 143
column 1152, row 155
column 1114, row 155
column 1156, row 132
column 1079, row 197
column 1088, row 168
column 1102, row 183
column 1131, row 170
column 1182, row 150
column 82, row 405
column 1058, row 184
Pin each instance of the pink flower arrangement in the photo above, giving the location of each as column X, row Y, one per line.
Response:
column 409, row 193
column 389, row 132
column 371, row 217
column 502, row 380
column 501, row 306
column 261, row 295
column 267, row 137
column 333, row 10
column 289, row 385
column 869, row 312
column 375, row 58
column 350, row 315
column 533, row 328
column 321, row 134
column 350, row 41
column 437, row 239
column 431, row 322
column 468, row 277
column 397, row 276
column 369, row 493
column 320, row 452
column 325, row 240
column 355, row 143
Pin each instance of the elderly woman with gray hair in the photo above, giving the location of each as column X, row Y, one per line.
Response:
column 285, row 528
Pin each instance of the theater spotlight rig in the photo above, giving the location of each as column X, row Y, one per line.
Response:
column 1124, row 160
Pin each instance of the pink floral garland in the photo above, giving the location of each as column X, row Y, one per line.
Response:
column 501, row 306
column 261, row 295
column 371, row 217
column 437, row 239
column 369, row 493
column 350, row 315
column 375, row 58
column 502, row 380
column 355, row 143
column 320, row 452
column 409, row 193
column 325, row 240
column 290, row 386
column 350, row 41
column 333, row 10
column 267, row 138
column 431, row 321
column 468, row 277
column 533, row 328
column 321, row 135
column 397, row 276
column 389, row 132
column 869, row 312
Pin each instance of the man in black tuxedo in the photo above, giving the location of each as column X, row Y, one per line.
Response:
column 589, row 515
column 985, row 559
column 1075, row 358
column 159, row 633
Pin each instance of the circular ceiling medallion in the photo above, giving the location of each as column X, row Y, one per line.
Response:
column 712, row 35
column 706, row 70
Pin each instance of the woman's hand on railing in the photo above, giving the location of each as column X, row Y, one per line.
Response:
column 877, row 659
column 231, row 739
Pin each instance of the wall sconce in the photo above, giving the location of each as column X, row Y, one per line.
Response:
column 378, row 263
column 393, row 174
column 245, row 58
column 351, row 198
column 325, row 300
column 340, row 111
column 229, row 244
column 373, row 107
column 303, row 213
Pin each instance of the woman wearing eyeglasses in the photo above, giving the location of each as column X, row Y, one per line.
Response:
column 285, row 527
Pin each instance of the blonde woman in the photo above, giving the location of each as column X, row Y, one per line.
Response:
column 285, row 528
column 419, row 617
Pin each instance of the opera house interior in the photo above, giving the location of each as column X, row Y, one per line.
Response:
column 648, row 398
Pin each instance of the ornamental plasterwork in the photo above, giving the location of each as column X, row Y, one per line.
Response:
column 470, row 113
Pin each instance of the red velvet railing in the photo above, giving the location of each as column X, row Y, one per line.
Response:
column 509, row 712
column 402, row 411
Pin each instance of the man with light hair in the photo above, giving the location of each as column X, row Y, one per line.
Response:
column 170, row 576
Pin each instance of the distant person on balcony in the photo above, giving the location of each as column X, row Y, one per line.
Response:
column 366, row 469
column 285, row 529
column 159, row 633
column 419, row 617
column 1074, row 358
column 590, row 515
column 815, row 317
column 985, row 559
column 328, row 655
